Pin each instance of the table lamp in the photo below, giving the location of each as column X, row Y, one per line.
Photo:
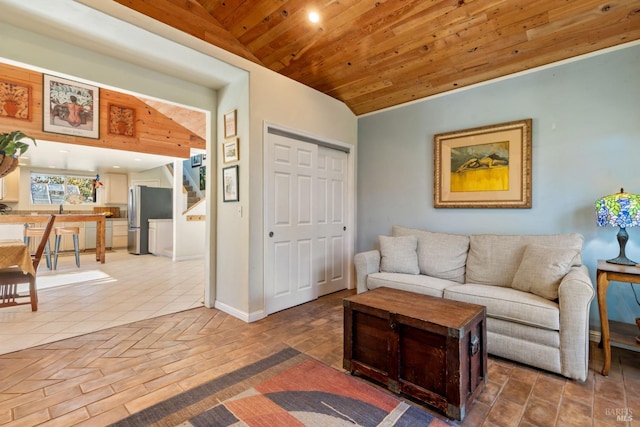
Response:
column 622, row 210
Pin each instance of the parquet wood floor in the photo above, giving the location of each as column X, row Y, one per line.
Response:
column 100, row 377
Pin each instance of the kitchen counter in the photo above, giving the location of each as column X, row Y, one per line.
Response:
column 99, row 219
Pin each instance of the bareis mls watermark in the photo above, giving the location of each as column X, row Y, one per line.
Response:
column 621, row 414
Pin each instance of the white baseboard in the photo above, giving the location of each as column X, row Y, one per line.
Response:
column 257, row 315
column 594, row 335
column 242, row 315
column 188, row 258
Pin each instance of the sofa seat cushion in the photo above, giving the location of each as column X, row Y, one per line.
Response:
column 494, row 259
column 440, row 255
column 509, row 304
column 420, row 284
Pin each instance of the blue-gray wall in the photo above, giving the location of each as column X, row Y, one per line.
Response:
column 586, row 144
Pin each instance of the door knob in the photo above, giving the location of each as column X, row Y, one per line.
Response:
column 271, row 234
column 344, row 228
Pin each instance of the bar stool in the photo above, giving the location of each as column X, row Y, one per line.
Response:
column 30, row 232
column 61, row 231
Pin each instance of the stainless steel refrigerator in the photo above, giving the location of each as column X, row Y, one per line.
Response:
column 146, row 203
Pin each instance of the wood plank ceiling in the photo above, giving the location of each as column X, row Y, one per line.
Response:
column 376, row 54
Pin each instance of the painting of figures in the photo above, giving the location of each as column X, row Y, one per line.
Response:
column 480, row 167
column 70, row 108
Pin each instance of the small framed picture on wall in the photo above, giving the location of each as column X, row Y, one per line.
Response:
column 203, row 178
column 122, row 120
column 15, row 100
column 230, row 191
column 196, row 160
column 230, row 124
column 230, row 151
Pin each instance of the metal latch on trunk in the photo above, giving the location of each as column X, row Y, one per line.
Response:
column 475, row 345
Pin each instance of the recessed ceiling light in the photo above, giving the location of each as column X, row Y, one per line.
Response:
column 314, row 17
column 116, row 167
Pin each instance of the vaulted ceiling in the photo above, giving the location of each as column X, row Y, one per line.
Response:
column 376, row 54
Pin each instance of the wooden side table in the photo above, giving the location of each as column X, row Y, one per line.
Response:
column 617, row 332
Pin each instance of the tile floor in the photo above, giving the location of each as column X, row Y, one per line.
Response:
column 117, row 337
column 101, row 377
column 98, row 296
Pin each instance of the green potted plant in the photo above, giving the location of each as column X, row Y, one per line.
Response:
column 12, row 147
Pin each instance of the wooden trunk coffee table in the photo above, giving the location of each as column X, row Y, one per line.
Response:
column 431, row 349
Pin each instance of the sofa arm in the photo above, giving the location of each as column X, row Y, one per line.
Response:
column 366, row 263
column 575, row 295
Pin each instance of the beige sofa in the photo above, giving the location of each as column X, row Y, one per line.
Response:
column 535, row 288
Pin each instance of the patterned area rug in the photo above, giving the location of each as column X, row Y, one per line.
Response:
column 285, row 389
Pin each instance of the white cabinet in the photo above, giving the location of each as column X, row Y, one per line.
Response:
column 115, row 189
column 12, row 231
column 90, row 235
column 109, row 237
column 115, row 234
column 120, row 229
column 153, row 238
column 9, row 187
column 161, row 237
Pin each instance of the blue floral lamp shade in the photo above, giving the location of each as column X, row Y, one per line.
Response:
column 622, row 210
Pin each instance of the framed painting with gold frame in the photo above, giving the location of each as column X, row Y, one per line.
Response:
column 230, row 151
column 230, row 129
column 484, row 167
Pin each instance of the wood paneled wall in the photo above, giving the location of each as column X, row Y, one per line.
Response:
column 155, row 132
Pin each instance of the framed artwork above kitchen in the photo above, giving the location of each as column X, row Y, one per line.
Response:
column 70, row 107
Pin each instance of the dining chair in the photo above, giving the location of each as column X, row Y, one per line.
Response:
column 11, row 277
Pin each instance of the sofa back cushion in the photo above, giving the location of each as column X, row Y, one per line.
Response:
column 398, row 254
column 494, row 259
column 542, row 268
column 440, row 255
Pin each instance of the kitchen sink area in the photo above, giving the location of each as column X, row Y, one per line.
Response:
column 180, row 238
